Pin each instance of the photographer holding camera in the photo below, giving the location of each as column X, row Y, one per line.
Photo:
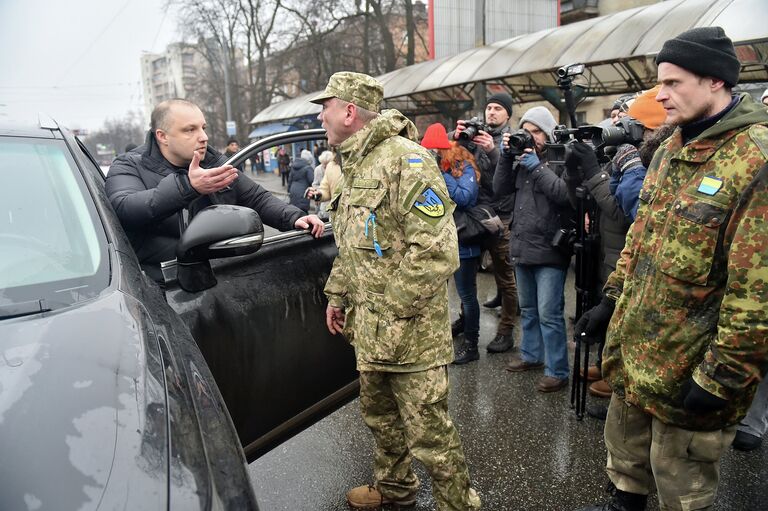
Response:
column 483, row 140
column 541, row 208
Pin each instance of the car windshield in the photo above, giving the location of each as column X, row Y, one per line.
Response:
column 51, row 247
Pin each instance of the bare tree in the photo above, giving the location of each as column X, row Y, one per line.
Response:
column 115, row 135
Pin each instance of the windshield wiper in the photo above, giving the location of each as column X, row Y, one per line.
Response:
column 17, row 310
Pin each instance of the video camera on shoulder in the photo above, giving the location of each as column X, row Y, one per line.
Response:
column 519, row 141
column 626, row 131
column 472, row 128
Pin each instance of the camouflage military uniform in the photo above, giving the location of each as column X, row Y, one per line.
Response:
column 692, row 300
column 397, row 247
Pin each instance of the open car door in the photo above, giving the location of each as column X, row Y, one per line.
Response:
column 261, row 328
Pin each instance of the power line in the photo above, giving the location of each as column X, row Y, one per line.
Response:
column 77, row 61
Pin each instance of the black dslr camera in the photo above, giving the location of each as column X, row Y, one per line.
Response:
column 519, row 141
column 472, row 128
column 626, row 131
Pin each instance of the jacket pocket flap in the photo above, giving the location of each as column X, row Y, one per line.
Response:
column 701, row 213
column 366, row 197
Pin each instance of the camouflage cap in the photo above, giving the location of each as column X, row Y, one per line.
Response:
column 360, row 89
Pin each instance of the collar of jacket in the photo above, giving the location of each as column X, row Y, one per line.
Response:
column 746, row 113
column 152, row 159
column 387, row 124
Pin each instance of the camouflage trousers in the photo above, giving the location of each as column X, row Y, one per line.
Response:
column 408, row 416
column 684, row 464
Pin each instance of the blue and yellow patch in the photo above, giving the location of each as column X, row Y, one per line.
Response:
column 710, row 185
column 430, row 203
column 415, row 163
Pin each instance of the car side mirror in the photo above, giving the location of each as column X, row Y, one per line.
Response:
column 218, row 231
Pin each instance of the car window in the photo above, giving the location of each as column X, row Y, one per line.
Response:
column 51, row 246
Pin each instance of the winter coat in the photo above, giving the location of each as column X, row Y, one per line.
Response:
column 690, row 285
column 464, row 191
column 542, row 207
column 397, row 242
column 148, row 192
column 612, row 222
column 299, row 180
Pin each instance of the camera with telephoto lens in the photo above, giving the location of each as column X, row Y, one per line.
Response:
column 519, row 141
column 472, row 128
column 626, row 131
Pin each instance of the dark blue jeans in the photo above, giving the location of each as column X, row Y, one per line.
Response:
column 466, row 287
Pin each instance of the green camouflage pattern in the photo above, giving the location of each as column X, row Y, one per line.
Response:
column 397, row 302
column 692, row 281
column 408, row 415
column 360, row 89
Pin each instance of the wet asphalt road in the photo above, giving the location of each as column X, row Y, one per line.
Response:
column 525, row 450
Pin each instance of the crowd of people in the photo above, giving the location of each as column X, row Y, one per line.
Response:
column 682, row 308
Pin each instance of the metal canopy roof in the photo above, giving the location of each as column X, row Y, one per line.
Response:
column 618, row 50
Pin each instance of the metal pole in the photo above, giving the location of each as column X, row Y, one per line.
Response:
column 225, row 59
column 480, row 92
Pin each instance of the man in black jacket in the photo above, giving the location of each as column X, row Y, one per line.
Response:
column 175, row 170
column 485, row 148
column 542, row 207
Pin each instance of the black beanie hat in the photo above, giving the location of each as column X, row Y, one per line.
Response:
column 503, row 99
column 705, row 51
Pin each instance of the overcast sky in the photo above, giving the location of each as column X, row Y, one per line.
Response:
column 77, row 60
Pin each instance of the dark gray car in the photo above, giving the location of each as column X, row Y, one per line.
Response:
column 115, row 394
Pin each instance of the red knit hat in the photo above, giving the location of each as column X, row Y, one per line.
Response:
column 647, row 110
column 435, row 137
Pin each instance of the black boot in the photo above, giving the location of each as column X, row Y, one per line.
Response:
column 620, row 501
column 501, row 343
column 494, row 302
column 466, row 353
column 457, row 327
column 599, row 412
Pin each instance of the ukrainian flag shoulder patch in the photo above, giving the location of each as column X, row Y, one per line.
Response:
column 429, row 203
column 415, row 163
column 710, row 185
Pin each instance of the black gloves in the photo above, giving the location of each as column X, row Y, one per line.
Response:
column 592, row 324
column 582, row 161
column 696, row 399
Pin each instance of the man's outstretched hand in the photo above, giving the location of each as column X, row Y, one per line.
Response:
column 207, row 181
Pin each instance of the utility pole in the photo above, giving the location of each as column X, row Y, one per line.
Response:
column 231, row 126
column 479, row 92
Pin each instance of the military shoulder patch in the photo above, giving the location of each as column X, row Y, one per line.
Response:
column 710, row 185
column 415, row 163
column 429, row 203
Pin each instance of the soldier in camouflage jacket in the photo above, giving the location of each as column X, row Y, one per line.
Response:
column 688, row 340
column 387, row 292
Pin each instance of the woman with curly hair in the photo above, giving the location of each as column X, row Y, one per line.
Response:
column 462, row 179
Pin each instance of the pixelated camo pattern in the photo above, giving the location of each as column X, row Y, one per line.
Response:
column 396, row 302
column 693, row 280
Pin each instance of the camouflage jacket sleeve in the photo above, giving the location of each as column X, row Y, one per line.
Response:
column 430, row 251
column 335, row 288
column 739, row 354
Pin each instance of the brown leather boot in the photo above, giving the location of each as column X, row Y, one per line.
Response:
column 368, row 497
column 600, row 389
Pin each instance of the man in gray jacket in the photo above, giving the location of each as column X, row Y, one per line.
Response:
column 176, row 170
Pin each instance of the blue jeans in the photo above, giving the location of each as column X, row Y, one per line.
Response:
column 466, row 287
column 541, row 292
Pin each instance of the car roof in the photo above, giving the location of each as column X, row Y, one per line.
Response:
column 44, row 129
